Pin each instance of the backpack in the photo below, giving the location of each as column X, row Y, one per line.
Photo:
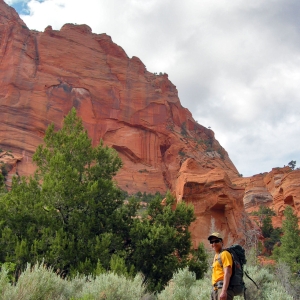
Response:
column 236, row 282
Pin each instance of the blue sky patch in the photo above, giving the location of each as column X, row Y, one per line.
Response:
column 21, row 7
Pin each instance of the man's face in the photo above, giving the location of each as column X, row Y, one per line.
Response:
column 216, row 244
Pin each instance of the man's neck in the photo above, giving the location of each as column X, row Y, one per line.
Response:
column 219, row 251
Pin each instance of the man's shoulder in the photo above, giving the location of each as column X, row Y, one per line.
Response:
column 225, row 252
column 226, row 257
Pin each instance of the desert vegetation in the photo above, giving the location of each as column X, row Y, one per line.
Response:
column 40, row 282
column 71, row 216
column 67, row 233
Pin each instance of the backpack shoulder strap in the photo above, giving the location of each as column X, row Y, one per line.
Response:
column 219, row 258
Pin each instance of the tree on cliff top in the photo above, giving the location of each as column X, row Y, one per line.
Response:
column 292, row 164
column 71, row 214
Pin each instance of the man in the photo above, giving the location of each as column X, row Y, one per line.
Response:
column 220, row 274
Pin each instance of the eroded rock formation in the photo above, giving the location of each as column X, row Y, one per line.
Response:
column 276, row 189
column 44, row 74
column 217, row 202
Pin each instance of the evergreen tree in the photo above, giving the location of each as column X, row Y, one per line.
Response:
column 271, row 234
column 71, row 215
column 263, row 213
column 70, row 212
column 2, row 184
column 289, row 251
column 292, row 164
column 267, row 227
column 23, row 221
column 161, row 243
column 274, row 238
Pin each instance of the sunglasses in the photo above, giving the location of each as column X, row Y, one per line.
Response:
column 215, row 242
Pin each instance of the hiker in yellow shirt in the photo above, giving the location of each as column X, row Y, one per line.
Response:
column 220, row 274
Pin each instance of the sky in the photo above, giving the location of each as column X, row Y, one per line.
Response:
column 235, row 63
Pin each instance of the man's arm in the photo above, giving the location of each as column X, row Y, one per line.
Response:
column 227, row 275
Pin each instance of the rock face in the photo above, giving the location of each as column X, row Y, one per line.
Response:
column 44, row 74
column 217, row 202
column 276, row 189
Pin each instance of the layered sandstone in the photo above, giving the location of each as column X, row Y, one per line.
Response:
column 44, row 74
column 217, row 201
column 276, row 189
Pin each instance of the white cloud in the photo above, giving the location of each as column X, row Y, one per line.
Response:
column 236, row 64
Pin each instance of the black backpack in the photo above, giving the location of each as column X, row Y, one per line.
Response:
column 236, row 282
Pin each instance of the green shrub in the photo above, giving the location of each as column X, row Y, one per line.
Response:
column 118, row 266
column 110, row 286
column 2, row 183
column 289, row 281
column 221, row 152
column 269, row 287
column 185, row 286
column 4, row 170
column 4, row 281
column 261, row 276
column 144, row 197
column 181, row 153
column 39, row 282
column 183, row 129
column 274, row 291
column 10, row 269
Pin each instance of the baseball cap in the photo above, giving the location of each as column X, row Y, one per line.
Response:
column 215, row 234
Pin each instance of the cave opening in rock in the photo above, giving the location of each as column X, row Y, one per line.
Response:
column 289, row 200
column 219, row 215
column 163, row 149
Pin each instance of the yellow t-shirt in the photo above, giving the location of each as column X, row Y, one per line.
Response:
column 217, row 272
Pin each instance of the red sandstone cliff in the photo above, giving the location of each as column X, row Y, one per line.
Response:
column 276, row 189
column 44, row 74
column 216, row 200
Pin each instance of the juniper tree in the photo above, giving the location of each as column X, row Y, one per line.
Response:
column 161, row 243
column 289, row 251
column 292, row 164
column 2, row 183
column 71, row 214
